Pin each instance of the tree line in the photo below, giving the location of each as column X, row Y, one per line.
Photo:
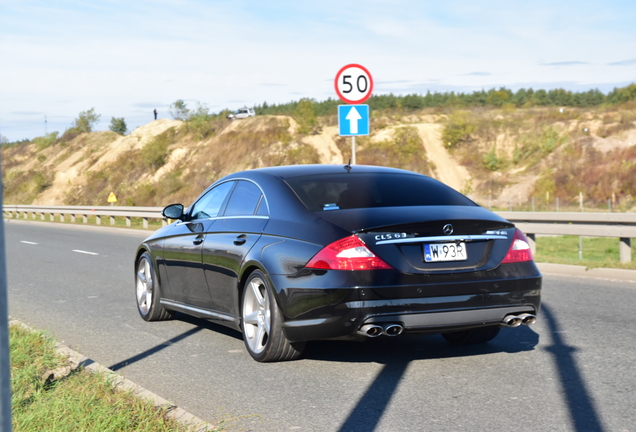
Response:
column 493, row 97
column 522, row 98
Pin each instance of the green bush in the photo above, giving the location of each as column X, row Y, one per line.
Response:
column 179, row 110
column 155, row 153
column 45, row 141
column 499, row 97
column 22, row 187
column 305, row 116
column 534, row 145
column 82, row 124
column 118, row 125
column 405, row 150
column 550, row 140
column 199, row 121
column 85, row 121
column 41, row 181
column 457, row 129
column 492, row 162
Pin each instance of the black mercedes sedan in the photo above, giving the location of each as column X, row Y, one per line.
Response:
column 293, row 254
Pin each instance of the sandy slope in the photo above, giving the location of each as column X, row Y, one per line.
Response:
column 325, row 145
column 68, row 173
column 447, row 170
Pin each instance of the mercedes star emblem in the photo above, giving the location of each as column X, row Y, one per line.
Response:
column 448, row 229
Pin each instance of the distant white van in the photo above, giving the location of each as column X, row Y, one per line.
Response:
column 242, row 113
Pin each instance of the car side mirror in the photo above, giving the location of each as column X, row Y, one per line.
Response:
column 173, row 211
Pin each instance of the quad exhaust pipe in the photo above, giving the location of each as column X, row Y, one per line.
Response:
column 517, row 320
column 394, row 329
column 375, row 330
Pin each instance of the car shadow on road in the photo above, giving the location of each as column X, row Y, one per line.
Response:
column 583, row 411
column 154, row 350
column 199, row 324
column 396, row 354
column 209, row 325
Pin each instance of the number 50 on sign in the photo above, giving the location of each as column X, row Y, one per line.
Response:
column 353, row 84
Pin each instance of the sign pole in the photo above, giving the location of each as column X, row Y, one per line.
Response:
column 353, row 150
column 5, row 365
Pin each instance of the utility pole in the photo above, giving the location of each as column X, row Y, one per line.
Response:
column 5, row 366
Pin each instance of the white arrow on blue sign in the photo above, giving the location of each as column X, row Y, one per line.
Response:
column 353, row 120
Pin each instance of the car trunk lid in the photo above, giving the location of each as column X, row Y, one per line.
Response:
column 429, row 239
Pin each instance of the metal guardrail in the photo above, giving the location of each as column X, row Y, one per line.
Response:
column 618, row 225
column 84, row 212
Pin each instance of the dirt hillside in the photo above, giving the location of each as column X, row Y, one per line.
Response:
column 503, row 158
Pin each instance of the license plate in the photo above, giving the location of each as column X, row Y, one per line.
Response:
column 445, row 252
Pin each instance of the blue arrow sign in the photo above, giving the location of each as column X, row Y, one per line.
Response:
column 353, row 120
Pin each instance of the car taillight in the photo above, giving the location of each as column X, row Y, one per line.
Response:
column 519, row 249
column 349, row 253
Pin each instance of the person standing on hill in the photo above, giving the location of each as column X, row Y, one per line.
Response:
column 155, row 112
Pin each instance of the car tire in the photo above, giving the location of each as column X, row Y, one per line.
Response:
column 261, row 323
column 148, row 292
column 472, row 336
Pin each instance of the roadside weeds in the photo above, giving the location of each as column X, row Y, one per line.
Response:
column 57, row 389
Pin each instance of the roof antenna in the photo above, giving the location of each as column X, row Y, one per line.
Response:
column 348, row 166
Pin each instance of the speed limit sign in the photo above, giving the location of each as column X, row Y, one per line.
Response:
column 353, row 84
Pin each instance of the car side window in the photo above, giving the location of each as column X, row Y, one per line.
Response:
column 244, row 199
column 262, row 208
column 210, row 203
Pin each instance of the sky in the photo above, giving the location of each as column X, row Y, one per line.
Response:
column 126, row 58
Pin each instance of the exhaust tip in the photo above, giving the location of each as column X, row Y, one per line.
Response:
column 527, row 319
column 393, row 329
column 371, row 330
column 512, row 321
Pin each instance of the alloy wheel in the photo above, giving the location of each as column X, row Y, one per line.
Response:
column 144, row 286
column 257, row 318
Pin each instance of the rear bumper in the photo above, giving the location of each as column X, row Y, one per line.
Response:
column 436, row 321
column 446, row 303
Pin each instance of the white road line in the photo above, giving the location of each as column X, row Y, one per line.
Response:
column 27, row 242
column 85, row 252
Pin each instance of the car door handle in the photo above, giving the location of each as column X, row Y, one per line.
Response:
column 197, row 241
column 240, row 239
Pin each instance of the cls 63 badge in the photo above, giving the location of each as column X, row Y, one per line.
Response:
column 390, row 236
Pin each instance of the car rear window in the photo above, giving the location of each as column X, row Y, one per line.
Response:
column 347, row 191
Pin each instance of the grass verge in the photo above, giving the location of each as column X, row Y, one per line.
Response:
column 77, row 401
column 596, row 252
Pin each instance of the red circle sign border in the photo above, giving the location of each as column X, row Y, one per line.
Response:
column 349, row 101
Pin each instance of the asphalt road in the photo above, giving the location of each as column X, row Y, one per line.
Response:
column 575, row 370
